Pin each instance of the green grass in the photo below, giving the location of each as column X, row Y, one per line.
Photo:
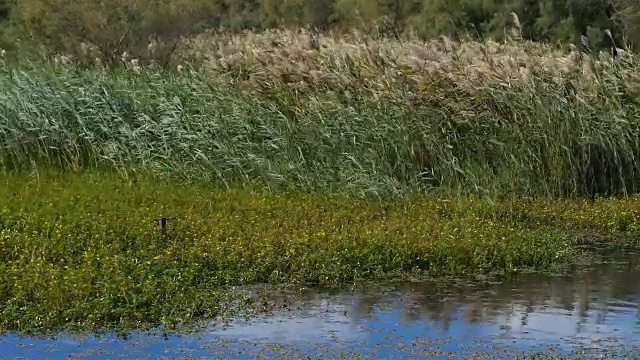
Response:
column 81, row 251
column 528, row 138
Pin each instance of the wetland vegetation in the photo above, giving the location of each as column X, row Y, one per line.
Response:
column 298, row 157
column 82, row 251
column 589, row 313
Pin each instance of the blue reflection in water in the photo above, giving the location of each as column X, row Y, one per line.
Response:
column 596, row 308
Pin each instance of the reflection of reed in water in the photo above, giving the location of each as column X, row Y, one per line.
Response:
column 474, row 312
column 588, row 293
column 607, row 292
column 583, row 304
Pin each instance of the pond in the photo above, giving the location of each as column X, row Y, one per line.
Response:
column 589, row 311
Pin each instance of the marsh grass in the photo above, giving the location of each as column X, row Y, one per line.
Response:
column 81, row 251
column 195, row 130
column 370, row 117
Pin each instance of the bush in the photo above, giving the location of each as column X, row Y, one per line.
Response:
column 106, row 29
column 144, row 29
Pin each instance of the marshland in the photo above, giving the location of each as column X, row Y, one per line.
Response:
column 338, row 160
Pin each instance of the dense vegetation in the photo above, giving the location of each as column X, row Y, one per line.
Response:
column 115, row 26
column 82, row 250
column 383, row 118
column 467, row 133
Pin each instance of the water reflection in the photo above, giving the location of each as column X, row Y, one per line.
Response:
column 592, row 308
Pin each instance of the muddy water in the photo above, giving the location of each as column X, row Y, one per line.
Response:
column 593, row 310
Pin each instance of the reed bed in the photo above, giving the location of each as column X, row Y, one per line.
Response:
column 353, row 115
column 312, row 61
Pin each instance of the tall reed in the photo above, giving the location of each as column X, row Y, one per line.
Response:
column 362, row 122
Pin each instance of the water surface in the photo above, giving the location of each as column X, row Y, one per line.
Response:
column 588, row 312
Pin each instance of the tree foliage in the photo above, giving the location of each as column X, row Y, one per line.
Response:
column 115, row 26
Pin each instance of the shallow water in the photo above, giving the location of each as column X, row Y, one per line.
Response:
column 591, row 311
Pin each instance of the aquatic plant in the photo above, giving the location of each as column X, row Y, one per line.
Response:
column 356, row 116
column 83, row 251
